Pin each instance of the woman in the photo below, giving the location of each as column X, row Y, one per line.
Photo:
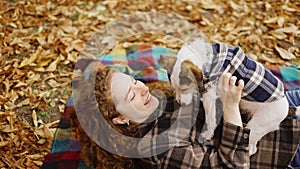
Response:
column 127, row 108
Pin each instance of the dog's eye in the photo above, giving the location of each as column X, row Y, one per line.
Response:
column 185, row 80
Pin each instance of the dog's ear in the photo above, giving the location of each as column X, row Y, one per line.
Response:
column 163, row 60
column 167, row 62
column 198, row 76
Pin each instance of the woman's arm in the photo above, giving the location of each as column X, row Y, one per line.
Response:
column 230, row 95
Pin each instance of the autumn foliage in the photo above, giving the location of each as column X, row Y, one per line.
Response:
column 40, row 41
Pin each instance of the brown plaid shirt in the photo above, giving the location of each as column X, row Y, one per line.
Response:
column 228, row 148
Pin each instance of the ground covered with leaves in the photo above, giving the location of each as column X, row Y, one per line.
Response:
column 40, row 41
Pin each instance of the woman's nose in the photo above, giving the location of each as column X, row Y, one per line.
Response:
column 142, row 88
column 145, row 90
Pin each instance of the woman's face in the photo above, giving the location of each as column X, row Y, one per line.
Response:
column 132, row 98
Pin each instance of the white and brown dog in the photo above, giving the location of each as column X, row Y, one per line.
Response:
column 186, row 73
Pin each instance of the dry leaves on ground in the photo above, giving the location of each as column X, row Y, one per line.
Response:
column 40, row 41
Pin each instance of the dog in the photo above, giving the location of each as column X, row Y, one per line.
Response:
column 189, row 70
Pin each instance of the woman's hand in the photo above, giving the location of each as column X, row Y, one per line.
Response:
column 230, row 95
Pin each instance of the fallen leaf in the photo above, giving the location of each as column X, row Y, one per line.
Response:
column 53, row 83
column 20, row 84
column 7, row 129
column 72, row 57
column 284, row 53
column 27, row 62
column 70, row 29
column 279, row 35
column 42, row 141
column 3, row 143
column 34, row 35
column 291, row 29
column 280, row 21
column 271, row 20
column 285, row 7
column 53, row 65
column 111, row 4
column 267, row 59
column 24, row 102
column 34, row 118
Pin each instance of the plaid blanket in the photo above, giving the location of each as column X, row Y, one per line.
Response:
column 290, row 76
column 65, row 151
column 141, row 60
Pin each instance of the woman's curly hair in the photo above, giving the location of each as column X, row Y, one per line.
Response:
column 96, row 92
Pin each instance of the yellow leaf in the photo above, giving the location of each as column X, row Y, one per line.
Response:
column 253, row 56
column 3, row 143
column 42, row 141
column 72, row 57
column 112, row 4
column 34, row 118
column 284, row 53
column 13, row 96
column 13, row 25
column 234, row 6
column 291, row 29
column 51, row 37
column 52, row 103
column 27, row 62
column 77, row 44
column 53, row 124
column 20, row 84
column 41, row 40
column 280, row 21
column 43, row 131
column 265, row 58
column 70, row 29
column 209, row 4
column 284, row 7
column 279, row 35
column 7, row 129
column 24, row 102
column 35, row 156
column 45, row 62
column 271, row 20
column 40, row 69
column 52, row 83
column 38, row 163
column 53, row 65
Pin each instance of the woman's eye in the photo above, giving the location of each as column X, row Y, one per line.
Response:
column 132, row 97
column 133, row 94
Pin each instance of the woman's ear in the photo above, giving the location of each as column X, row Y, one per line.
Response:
column 120, row 120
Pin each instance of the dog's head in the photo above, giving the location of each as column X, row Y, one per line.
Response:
column 186, row 79
column 190, row 77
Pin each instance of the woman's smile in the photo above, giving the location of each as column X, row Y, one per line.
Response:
column 148, row 100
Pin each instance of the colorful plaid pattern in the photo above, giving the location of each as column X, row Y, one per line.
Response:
column 141, row 59
column 290, row 76
column 65, row 152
